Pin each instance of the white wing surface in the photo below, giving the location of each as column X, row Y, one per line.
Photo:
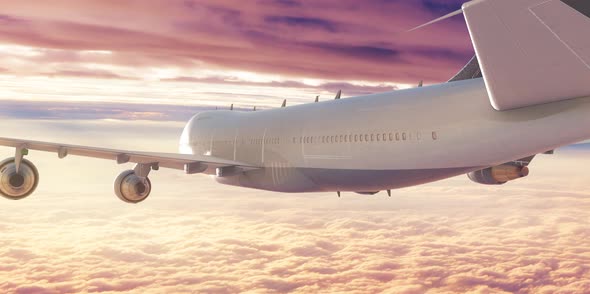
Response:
column 189, row 163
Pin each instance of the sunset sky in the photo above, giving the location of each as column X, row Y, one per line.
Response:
column 214, row 53
column 128, row 74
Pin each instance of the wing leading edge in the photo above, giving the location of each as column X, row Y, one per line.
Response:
column 190, row 164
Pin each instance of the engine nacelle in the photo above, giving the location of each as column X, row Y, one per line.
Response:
column 498, row 175
column 17, row 185
column 132, row 188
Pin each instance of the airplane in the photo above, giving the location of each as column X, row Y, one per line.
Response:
column 525, row 92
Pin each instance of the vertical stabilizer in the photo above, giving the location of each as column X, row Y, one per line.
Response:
column 531, row 51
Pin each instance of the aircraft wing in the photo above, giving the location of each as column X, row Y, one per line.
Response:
column 191, row 164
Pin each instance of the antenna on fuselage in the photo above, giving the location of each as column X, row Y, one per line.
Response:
column 317, row 99
column 338, row 95
column 420, row 84
column 231, row 107
column 389, row 193
column 284, row 103
column 254, row 108
column 338, row 194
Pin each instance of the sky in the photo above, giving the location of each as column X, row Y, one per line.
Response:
column 214, row 53
column 128, row 74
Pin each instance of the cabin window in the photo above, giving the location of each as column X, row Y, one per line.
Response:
column 419, row 136
column 360, row 138
column 390, row 137
column 397, row 136
column 341, row 139
column 404, row 136
column 356, row 138
column 378, row 137
column 345, row 139
column 366, row 137
column 434, row 136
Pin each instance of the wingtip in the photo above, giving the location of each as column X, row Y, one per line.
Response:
column 456, row 12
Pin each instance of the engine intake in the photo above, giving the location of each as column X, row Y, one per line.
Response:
column 17, row 185
column 498, row 175
column 132, row 188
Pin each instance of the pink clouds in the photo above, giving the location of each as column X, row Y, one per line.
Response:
column 231, row 250
column 329, row 39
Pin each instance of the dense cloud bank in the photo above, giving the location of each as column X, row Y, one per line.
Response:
column 196, row 236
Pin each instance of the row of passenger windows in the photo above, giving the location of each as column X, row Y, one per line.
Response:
column 251, row 141
column 350, row 138
column 358, row 138
column 267, row 141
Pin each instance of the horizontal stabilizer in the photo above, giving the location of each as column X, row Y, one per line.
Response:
column 531, row 51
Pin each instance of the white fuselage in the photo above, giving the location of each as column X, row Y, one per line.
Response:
column 382, row 141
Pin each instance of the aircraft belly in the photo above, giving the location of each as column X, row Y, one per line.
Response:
column 299, row 180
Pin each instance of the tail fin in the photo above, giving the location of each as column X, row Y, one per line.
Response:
column 531, row 51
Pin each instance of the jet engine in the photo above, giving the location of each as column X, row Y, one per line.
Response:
column 498, row 175
column 16, row 185
column 132, row 188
